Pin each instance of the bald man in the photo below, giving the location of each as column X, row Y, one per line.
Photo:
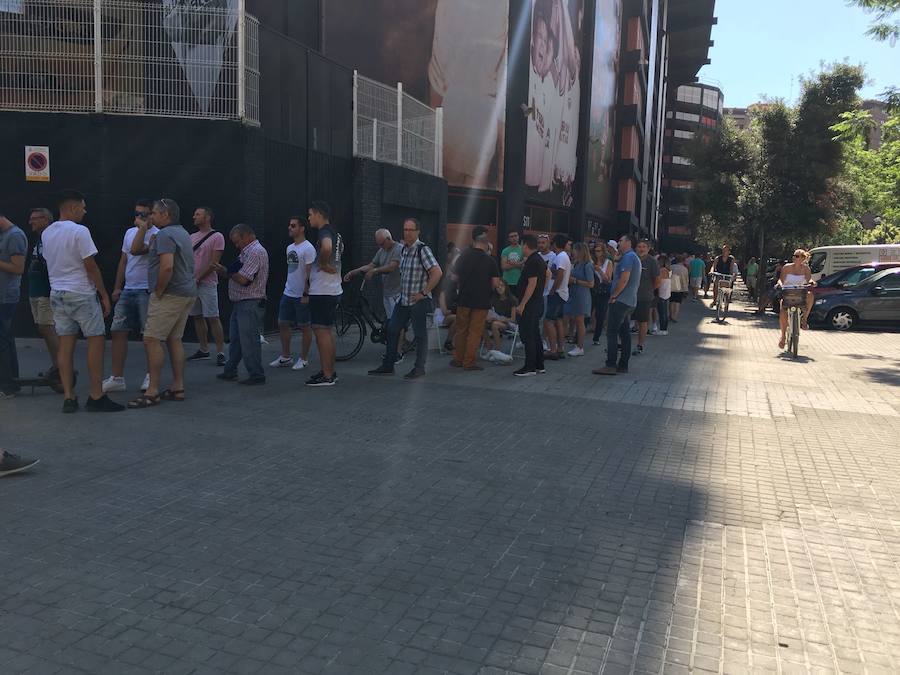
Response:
column 387, row 264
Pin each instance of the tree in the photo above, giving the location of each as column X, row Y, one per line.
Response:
column 884, row 27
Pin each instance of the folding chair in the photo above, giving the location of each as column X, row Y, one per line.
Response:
column 512, row 333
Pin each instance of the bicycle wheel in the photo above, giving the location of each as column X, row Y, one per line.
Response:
column 720, row 309
column 350, row 333
column 795, row 333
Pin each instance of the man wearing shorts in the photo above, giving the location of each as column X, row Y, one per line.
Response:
column 39, row 288
column 207, row 245
column 247, row 279
column 75, row 284
column 324, row 291
column 293, row 310
column 696, row 268
column 173, row 291
column 13, row 247
column 645, row 295
column 131, row 297
column 554, row 324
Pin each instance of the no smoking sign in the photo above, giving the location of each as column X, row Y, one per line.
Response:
column 37, row 163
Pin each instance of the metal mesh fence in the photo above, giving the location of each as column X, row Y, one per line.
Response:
column 381, row 113
column 174, row 58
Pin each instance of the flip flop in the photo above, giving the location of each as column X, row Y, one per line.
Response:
column 173, row 395
column 144, row 402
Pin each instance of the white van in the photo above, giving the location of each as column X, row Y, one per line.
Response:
column 828, row 259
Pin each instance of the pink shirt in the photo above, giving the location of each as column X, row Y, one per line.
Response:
column 203, row 255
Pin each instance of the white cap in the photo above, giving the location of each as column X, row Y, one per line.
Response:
column 613, row 244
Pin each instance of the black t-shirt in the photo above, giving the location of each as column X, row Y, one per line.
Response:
column 475, row 270
column 534, row 267
column 724, row 266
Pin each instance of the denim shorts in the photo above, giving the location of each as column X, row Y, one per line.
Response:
column 555, row 307
column 77, row 311
column 130, row 313
column 292, row 311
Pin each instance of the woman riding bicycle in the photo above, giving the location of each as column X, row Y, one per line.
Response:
column 723, row 264
column 795, row 274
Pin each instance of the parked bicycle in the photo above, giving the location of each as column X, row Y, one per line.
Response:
column 724, row 285
column 793, row 299
column 353, row 322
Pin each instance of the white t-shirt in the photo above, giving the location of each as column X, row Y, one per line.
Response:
column 543, row 132
column 136, row 265
column 566, row 159
column 548, row 257
column 563, row 267
column 66, row 246
column 299, row 256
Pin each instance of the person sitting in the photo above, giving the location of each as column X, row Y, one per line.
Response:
column 501, row 316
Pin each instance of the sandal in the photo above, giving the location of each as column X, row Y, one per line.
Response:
column 143, row 402
column 172, row 395
column 781, row 343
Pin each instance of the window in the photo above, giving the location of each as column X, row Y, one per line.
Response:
column 679, row 133
column 687, row 117
column 856, row 276
column 680, row 160
column 670, row 115
column 681, row 184
column 679, row 208
column 817, row 262
column 689, row 94
column 711, row 99
column 708, row 122
column 891, row 281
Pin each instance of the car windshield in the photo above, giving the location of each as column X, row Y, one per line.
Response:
column 855, row 276
column 817, row 262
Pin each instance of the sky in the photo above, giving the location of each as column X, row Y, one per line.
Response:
column 762, row 47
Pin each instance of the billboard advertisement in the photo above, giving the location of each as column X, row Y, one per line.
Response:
column 554, row 95
column 601, row 130
column 447, row 53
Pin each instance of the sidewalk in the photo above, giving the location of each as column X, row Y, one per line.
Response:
column 718, row 509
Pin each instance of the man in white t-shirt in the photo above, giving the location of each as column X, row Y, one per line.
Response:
column 293, row 310
column 554, row 324
column 541, row 93
column 75, row 283
column 324, row 291
column 467, row 77
column 132, row 298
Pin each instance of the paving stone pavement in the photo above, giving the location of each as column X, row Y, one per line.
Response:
column 719, row 509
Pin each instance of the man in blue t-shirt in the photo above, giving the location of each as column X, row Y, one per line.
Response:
column 622, row 301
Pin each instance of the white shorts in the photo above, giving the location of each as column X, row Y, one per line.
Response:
column 696, row 282
column 207, row 304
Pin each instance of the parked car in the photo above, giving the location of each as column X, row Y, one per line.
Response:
column 827, row 260
column 876, row 300
column 849, row 277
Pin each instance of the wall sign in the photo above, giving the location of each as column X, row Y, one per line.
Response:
column 37, row 163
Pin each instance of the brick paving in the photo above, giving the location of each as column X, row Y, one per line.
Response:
column 719, row 509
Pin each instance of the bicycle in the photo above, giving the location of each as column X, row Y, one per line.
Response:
column 353, row 322
column 724, row 286
column 793, row 299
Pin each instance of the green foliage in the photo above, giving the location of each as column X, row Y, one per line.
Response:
column 885, row 26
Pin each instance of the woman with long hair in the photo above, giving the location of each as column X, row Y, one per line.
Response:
column 581, row 282
column 603, row 255
column 665, row 292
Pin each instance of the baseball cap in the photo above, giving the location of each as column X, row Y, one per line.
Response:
column 613, row 244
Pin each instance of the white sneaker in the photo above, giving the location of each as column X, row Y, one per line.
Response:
column 663, row 332
column 546, row 345
column 262, row 339
column 576, row 351
column 300, row 365
column 146, row 383
column 282, row 362
column 113, row 383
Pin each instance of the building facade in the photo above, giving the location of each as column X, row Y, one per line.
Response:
column 694, row 110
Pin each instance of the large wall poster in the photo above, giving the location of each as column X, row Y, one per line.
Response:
column 601, row 133
column 554, row 85
column 448, row 53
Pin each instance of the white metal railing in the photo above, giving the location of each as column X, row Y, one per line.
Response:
column 389, row 125
column 176, row 58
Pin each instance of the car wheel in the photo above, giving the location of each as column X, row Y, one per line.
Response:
column 842, row 318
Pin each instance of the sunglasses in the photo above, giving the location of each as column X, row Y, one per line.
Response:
column 141, row 215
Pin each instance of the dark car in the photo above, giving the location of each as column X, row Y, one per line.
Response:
column 849, row 277
column 875, row 300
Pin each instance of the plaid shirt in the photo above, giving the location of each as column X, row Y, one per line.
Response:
column 414, row 268
column 255, row 266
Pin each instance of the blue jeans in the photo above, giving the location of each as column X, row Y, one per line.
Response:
column 243, row 331
column 618, row 331
column 9, row 359
column 131, row 311
column 418, row 313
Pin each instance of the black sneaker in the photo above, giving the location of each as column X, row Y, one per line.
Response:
column 414, row 374
column 525, row 372
column 541, row 371
column 250, row 381
column 319, row 380
column 103, row 404
column 382, row 370
column 70, row 405
column 10, row 463
column 198, row 355
column 228, row 377
column 220, row 360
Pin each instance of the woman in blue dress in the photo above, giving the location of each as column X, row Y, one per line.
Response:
column 581, row 281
